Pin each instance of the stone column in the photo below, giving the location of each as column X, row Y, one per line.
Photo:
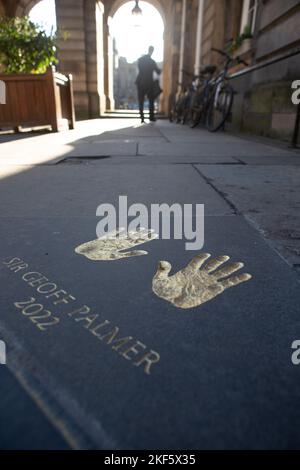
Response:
column 100, row 55
column 2, row 10
column 93, row 26
column 82, row 53
column 199, row 37
column 72, row 52
column 182, row 41
column 188, row 39
column 108, row 65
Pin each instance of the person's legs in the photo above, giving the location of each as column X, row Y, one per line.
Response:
column 141, row 96
column 150, row 95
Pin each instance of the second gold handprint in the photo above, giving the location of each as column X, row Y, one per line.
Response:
column 197, row 283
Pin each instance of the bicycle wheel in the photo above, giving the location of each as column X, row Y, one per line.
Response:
column 197, row 109
column 219, row 107
column 196, row 116
column 185, row 116
column 173, row 114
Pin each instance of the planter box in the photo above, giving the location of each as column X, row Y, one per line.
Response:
column 38, row 100
column 245, row 48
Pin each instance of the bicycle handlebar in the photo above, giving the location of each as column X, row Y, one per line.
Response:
column 225, row 54
column 221, row 52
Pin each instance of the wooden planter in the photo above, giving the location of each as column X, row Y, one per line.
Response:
column 38, row 100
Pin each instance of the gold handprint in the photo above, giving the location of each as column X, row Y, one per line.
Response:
column 195, row 284
column 110, row 246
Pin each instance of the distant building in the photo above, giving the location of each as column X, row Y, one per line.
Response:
column 125, row 92
column 125, row 73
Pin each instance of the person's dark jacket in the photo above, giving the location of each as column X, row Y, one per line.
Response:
column 146, row 67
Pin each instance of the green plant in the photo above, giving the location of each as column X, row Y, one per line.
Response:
column 25, row 47
column 247, row 33
column 238, row 41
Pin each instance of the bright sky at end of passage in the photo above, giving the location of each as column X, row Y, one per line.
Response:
column 134, row 35
column 43, row 13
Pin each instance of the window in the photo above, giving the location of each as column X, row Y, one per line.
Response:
column 249, row 15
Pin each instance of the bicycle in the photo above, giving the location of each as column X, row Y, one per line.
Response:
column 200, row 95
column 182, row 105
column 214, row 102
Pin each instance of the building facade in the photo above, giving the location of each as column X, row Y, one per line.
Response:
column 262, row 104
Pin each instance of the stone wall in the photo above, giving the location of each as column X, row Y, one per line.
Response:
column 262, row 104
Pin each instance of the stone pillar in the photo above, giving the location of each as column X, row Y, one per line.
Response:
column 188, row 40
column 100, row 55
column 218, row 36
column 108, row 65
column 93, row 26
column 199, row 37
column 82, row 53
column 172, row 42
column 72, row 52
column 182, row 41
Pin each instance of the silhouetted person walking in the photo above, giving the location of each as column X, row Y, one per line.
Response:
column 145, row 82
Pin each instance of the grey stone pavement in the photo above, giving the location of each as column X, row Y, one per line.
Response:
column 225, row 377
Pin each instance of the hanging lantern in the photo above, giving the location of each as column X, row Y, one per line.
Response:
column 137, row 11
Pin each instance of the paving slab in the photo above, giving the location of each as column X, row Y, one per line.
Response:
column 103, row 148
column 32, row 155
column 154, row 160
column 291, row 159
column 23, row 424
column 219, row 149
column 268, row 196
column 74, row 190
column 175, row 133
column 135, row 130
column 128, row 139
column 25, row 148
column 224, row 378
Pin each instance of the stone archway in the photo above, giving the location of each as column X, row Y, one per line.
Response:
column 112, row 6
column 86, row 54
column 25, row 6
column 17, row 7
